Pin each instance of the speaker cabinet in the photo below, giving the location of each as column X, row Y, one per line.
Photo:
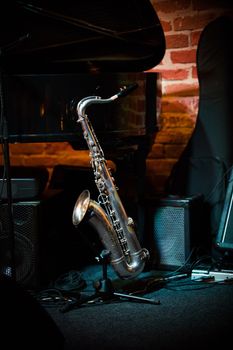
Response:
column 172, row 229
column 46, row 243
column 37, row 224
column 26, row 217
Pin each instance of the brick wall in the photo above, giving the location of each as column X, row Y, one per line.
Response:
column 182, row 21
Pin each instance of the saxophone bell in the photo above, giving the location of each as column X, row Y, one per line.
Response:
column 88, row 210
column 81, row 207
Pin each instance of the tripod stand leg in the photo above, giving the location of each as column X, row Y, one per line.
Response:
column 134, row 297
column 106, row 285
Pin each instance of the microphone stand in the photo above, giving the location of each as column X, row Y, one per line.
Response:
column 6, row 161
column 7, row 175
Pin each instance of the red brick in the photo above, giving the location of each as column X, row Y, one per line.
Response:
column 194, row 72
column 171, row 105
column 173, row 136
column 27, row 148
column 192, row 22
column 180, row 120
column 180, row 104
column 195, row 37
column 55, row 147
column 174, row 74
column 181, row 89
column 183, row 56
column 170, row 6
column 157, row 151
column 173, row 151
column 166, row 25
column 177, row 41
column 15, row 160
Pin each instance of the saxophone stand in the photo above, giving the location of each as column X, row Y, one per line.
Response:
column 104, row 290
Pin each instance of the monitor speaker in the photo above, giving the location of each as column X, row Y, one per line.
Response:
column 224, row 238
column 27, row 220
column 172, row 230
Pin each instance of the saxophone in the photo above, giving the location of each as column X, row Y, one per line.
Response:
column 107, row 216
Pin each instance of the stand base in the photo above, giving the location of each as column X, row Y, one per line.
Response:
column 104, row 290
column 105, row 293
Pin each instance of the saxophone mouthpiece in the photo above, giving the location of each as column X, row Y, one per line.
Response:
column 127, row 90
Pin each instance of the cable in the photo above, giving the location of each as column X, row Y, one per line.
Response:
column 70, row 281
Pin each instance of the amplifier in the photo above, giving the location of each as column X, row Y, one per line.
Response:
column 26, row 182
column 22, row 188
column 173, row 229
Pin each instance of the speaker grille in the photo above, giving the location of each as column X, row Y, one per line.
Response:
column 171, row 238
column 26, row 231
column 173, row 229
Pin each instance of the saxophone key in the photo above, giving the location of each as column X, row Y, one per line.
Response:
column 130, row 222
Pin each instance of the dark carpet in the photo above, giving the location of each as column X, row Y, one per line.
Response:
column 186, row 314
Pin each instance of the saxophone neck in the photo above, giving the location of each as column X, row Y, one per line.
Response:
column 89, row 100
column 84, row 103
